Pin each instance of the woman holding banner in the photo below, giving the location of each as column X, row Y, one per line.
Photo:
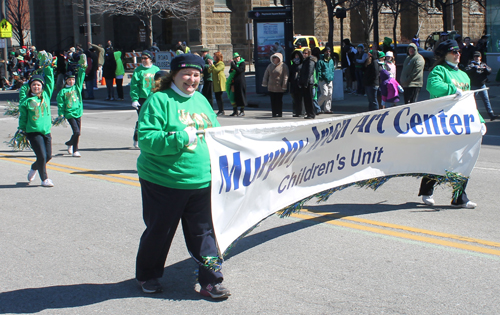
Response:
column 175, row 176
column 446, row 79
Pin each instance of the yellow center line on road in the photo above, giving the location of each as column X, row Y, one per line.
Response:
column 339, row 222
column 332, row 218
column 116, row 178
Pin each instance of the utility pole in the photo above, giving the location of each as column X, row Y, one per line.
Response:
column 87, row 20
column 5, row 56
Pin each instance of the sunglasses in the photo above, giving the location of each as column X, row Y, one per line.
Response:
column 144, row 58
column 455, row 52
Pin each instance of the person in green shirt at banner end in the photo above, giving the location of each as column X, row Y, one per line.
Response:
column 175, row 176
column 446, row 79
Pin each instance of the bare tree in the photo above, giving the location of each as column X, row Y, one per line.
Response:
column 18, row 14
column 331, row 6
column 444, row 6
column 145, row 10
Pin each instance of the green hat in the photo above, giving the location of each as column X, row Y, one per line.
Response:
column 381, row 54
column 236, row 55
column 205, row 50
column 12, row 53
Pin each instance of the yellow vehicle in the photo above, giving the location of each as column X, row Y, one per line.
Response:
column 300, row 42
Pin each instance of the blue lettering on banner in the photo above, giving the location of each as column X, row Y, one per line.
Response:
column 432, row 124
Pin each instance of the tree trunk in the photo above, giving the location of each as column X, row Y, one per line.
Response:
column 149, row 31
column 444, row 8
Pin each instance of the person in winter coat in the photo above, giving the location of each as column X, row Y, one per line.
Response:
column 108, row 72
column 141, row 84
column 325, row 70
column 445, row 79
column 119, row 73
column 389, row 63
column 90, row 73
column 412, row 74
column 36, row 122
column 70, row 106
column 371, row 79
column 216, row 70
column 347, row 61
column 478, row 73
column 359, row 67
column 276, row 80
column 208, row 81
column 295, row 67
column 389, row 89
column 306, row 82
column 175, row 176
column 466, row 53
column 238, row 84
column 386, row 45
column 100, row 61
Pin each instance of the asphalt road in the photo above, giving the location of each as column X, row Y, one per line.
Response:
column 71, row 249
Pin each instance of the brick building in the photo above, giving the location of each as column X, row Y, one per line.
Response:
column 220, row 24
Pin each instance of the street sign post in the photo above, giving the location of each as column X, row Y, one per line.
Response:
column 5, row 29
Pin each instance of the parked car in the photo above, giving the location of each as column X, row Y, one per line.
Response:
column 401, row 55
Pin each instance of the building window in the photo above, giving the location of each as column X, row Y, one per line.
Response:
column 434, row 7
column 221, row 6
column 475, row 8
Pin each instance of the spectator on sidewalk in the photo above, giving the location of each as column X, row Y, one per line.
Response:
column 467, row 53
column 306, row 82
column 361, row 57
column 119, row 73
column 412, row 74
column 276, row 80
column 326, row 70
column 294, row 73
column 478, row 73
column 100, row 61
column 238, row 84
column 371, row 79
column 108, row 72
column 216, row 70
column 208, row 81
column 347, row 61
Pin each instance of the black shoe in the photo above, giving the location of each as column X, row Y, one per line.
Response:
column 150, row 286
column 235, row 112
column 241, row 114
column 220, row 113
column 215, row 291
column 493, row 117
column 296, row 115
column 309, row 117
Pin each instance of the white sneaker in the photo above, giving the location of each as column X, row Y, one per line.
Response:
column 70, row 149
column 31, row 175
column 77, row 154
column 136, row 144
column 47, row 183
column 428, row 200
column 466, row 204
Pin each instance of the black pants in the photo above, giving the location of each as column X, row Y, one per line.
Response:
column 163, row 207
column 298, row 104
column 411, row 94
column 42, row 146
column 207, row 92
column 427, row 189
column 307, row 94
column 76, row 126
column 276, row 103
column 109, row 87
column 141, row 101
column 119, row 88
column 220, row 102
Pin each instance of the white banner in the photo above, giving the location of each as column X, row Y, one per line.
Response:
column 260, row 169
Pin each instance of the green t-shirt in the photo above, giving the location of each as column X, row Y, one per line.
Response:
column 69, row 99
column 165, row 159
column 443, row 80
column 143, row 81
column 34, row 112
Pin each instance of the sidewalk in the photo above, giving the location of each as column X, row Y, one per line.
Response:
column 351, row 103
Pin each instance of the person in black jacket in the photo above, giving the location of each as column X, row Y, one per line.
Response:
column 90, row 73
column 371, row 79
column 478, row 73
column 108, row 72
column 240, row 84
column 296, row 62
column 306, row 82
column 467, row 52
